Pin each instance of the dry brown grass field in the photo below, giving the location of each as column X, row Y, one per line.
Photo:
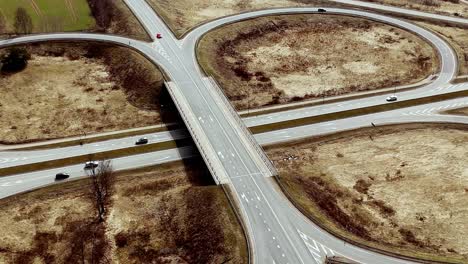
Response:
column 166, row 214
column 403, row 189
column 443, row 7
column 281, row 59
column 183, row 15
column 77, row 89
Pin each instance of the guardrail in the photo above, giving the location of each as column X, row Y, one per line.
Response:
column 192, row 131
column 260, row 151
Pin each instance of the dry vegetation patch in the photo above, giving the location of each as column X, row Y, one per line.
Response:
column 72, row 89
column 403, row 189
column 165, row 214
column 280, row 59
column 45, row 227
column 444, row 7
column 182, row 15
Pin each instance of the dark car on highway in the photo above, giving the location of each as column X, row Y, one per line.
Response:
column 61, row 176
column 321, row 10
column 141, row 141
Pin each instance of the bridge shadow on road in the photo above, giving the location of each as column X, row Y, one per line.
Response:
column 195, row 166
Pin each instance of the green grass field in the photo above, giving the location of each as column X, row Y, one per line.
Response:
column 69, row 15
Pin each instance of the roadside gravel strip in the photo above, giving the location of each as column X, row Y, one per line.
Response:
column 279, row 233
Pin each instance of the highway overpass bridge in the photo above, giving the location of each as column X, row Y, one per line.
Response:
column 224, row 142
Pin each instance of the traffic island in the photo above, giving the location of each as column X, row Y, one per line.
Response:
column 289, row 58
column 167, row 212
column 459, row 111
column 399, row 189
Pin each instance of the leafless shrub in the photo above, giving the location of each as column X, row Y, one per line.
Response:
column 325, row 196
column 384, row 209
column 101, row 189
column 102, row 12
column 362, row 186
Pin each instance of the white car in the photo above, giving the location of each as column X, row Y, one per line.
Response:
column 392, row 98
column 91, row 165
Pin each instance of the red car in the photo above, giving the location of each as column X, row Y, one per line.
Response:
column 158, row 36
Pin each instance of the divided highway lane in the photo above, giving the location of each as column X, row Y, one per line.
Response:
column 15, row 184
column 15, row 158
column 311, row 111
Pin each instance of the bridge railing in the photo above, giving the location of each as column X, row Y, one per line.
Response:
column 260, row 151
column 193, row 133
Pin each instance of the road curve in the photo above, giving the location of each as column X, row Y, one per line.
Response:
column 280, row 233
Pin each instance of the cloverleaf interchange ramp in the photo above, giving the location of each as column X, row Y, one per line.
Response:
column 279, row 233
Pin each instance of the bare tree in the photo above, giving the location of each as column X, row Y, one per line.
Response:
column 102, row 12
column 23, row 22
column 102, row 185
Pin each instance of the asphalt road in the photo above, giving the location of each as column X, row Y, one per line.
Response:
column 278, row 232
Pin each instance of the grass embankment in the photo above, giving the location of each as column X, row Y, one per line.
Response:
column 166, row 214
column 109, row 16
column 401, row 189
column 282, row 59
column 76, row 89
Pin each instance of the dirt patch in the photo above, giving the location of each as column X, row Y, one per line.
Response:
column 407, row 184
column 182, row 15
column 156, row 217
column 46, row 227
column 458, row 39
column 76, row 89
column 443, row 7
column 281, row 59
